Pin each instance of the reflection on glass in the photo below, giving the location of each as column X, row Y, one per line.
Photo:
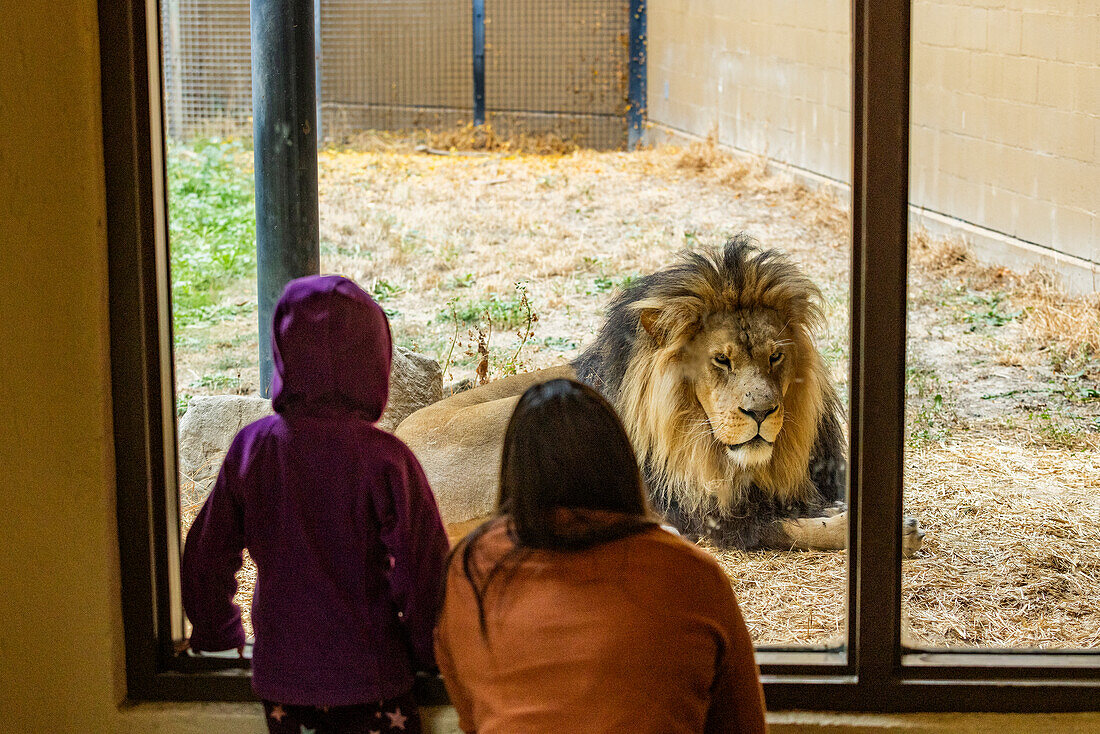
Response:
column 1003, row 388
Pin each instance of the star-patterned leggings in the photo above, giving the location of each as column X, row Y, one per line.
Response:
column 385, row 717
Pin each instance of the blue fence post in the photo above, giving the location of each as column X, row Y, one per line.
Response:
column 284, row 133
column 636, row 87
column 479, row 61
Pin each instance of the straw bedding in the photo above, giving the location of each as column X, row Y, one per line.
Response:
column 1003, row 417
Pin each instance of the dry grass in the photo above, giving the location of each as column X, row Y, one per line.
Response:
column 1010, row 499
column 790, row 598
column 1012, row 554
column 1010, row 559
column 460, row 141
column 1054, row 321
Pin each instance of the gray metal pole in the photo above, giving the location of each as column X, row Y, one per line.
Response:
column 284, row 127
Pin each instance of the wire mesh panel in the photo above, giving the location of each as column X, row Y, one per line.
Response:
column 207, row 67
column 558, row 67
column 395, row 64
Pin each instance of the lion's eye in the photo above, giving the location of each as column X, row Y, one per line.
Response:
column 722, row 361
column 776, row 358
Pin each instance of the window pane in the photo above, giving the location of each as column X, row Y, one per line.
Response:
column 497, row 252
column 1003, row 407
column 773, row 81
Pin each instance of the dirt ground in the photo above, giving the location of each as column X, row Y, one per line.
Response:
column 1002, row 463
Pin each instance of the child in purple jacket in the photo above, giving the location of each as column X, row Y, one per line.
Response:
column 340, row 521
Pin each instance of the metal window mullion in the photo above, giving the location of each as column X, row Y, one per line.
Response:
column 880, row 182
column 137, row 374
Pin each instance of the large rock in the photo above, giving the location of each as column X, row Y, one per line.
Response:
column 211, row 421
column 207, row 429
column 415, row 381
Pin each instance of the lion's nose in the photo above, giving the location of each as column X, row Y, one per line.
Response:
column 760, row 415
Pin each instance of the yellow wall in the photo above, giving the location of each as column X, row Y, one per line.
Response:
column 61, row 666
column 60, row 640
column 1005, row 109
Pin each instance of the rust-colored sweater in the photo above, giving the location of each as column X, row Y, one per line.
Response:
column 637, row 635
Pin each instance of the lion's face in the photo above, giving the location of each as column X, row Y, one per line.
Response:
column 740, row 366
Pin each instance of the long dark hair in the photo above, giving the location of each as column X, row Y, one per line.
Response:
column 569, row 481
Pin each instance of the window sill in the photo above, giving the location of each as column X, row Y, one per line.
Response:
column 234, row 718
column 245, row 718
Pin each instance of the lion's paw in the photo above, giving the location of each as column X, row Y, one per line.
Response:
column 912, row 537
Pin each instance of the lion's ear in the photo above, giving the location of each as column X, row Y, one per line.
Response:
column 648, row 319
column 668, row 324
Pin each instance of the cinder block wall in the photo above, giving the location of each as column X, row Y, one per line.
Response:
column 769, row 77
column 1005, row 105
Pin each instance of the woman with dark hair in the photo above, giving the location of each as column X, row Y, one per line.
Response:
column 573, row 610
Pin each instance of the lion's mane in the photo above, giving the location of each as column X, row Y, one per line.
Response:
column 689, row 479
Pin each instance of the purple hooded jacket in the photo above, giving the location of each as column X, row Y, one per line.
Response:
column 336, row 513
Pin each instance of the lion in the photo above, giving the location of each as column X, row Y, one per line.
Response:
column 712, row 366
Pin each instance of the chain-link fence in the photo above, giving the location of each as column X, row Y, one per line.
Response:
column 558, row 67
column 402, row 64
column 207, row 65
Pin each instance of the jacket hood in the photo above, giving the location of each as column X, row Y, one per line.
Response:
column 331, row 347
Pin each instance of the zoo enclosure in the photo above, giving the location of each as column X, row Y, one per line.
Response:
column 561, row 67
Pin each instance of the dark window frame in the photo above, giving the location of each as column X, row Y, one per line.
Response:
column 875, row 672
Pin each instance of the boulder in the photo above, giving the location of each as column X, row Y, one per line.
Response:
column 207, row 429
column 415, row 381
column 211, row 421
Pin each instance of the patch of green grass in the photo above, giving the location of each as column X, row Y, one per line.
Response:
column 382, row 289
column 604, row 284
column 1076, row 393
column 589, row 262
column 211, row 225
column 505, row 313
column 988, row 311
column 230, row 363
column 1080, row 393
column 191, row 342
column 430, row 344
column 466, row 280
column 1051, row 428
column 211, row 313
column 561, row 343
column 216, row 382
column 928, row 417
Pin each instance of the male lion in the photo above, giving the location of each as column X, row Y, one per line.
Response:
column 712, row 366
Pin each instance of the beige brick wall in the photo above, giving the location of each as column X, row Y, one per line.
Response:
column 770, row 77
column 1005, row 101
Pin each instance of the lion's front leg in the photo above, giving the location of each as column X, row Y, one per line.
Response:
column 818, row 533
column 830, row 532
